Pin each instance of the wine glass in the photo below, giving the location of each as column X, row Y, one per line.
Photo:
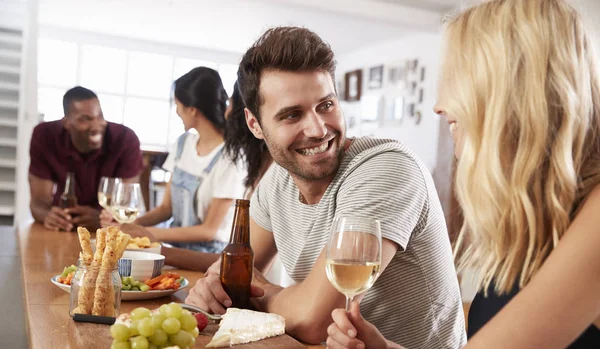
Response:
column 105, row 190
column 126, row 202
column 353, row 255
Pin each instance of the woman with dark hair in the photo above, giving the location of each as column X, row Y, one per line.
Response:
column 242, row 146
column 204, row 181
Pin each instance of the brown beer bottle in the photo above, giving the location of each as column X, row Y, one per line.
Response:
column 68, row 197
column 237, row 259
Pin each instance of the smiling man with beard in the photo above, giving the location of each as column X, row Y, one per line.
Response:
column 287, row 82
column 84, row 143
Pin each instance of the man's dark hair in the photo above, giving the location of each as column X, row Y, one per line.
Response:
column 202, row 89
column 76, row 94
column 282, row 48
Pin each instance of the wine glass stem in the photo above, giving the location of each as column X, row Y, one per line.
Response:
column 348, row 302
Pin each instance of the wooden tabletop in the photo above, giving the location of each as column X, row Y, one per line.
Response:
column 44, row 254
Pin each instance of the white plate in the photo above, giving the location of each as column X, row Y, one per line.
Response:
column 129, row 295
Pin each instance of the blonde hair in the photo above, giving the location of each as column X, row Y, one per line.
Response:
column 524, row 87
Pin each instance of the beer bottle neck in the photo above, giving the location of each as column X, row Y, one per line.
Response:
column 70, row 184
column 240, row 231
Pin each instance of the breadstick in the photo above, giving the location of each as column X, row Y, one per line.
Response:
column 122, row 241
column 85, row 298
column 86, row 247
column 104, row 284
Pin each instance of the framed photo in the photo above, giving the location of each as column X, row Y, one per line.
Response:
column 413, row 88
column 353, row 85
column 422, row 74
column 410, row 109
column 421, row 95
column 376, row 77
column 397, row 76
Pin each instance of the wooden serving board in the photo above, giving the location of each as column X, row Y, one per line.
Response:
column 280, row 342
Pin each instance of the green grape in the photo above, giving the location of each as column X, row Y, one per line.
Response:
column 126, row 287
column 144, row 287
column 163, row 309
column 174, row 310
column 159, row 337
column 125, row 280
column 119, row 332
column 188, row 322
column 171, row 325
column 140, row 313
column 145, row 327
column 193, row 341
column 185, row 311
column 135, row 283
column 135, row 288
column 120, row 345
column 195, row 332
column 181, row 339
column 139, row 342
column 157, row 320
column 152, row 346
column 133, row 328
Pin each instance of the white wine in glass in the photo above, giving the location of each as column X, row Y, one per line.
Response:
column 353, row 255
column 105, row 190
column 126, row 202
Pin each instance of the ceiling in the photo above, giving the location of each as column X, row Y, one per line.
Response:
column 232, row 25
column 432, row 5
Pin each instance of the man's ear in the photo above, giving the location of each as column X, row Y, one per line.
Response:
column 253, row 124
column 64, row 122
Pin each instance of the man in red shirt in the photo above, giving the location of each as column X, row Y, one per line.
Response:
column 84, row 143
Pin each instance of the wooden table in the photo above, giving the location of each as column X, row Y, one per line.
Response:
column 44, row 254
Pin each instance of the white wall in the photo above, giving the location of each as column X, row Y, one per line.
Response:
column 28, row 116
column 425, row 47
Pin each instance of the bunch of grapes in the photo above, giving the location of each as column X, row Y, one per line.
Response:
column 171, row 325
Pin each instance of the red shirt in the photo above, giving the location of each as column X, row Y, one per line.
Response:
column 53, row 155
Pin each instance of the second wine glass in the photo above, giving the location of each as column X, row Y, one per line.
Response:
column 126, row 202
column 105, row 190
column 353, row 255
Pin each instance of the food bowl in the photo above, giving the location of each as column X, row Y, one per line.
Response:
column 141, row 266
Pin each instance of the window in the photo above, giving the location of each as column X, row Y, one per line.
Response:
column 57, row 64
column 103, row 69
column 149, row 75
column 148, row 118
column 134, row 87
column 112, row 107
column 50, row 103
column 184, row 65
column 228, row 74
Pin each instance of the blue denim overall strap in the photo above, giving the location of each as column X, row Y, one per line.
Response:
column 184, row 187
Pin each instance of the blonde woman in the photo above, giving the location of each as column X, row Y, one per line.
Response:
column 521, row 92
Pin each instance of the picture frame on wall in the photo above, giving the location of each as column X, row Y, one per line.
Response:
column 353, row 85
column 376, row 77
column 397, row 76
column 422, row 74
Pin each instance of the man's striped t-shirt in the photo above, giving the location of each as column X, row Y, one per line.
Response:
column 416, row 300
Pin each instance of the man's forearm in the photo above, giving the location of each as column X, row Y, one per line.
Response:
column 186, row 259
column 302, row 319
column 39, row 210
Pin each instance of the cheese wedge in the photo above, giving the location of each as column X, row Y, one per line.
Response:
column 243, row 326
